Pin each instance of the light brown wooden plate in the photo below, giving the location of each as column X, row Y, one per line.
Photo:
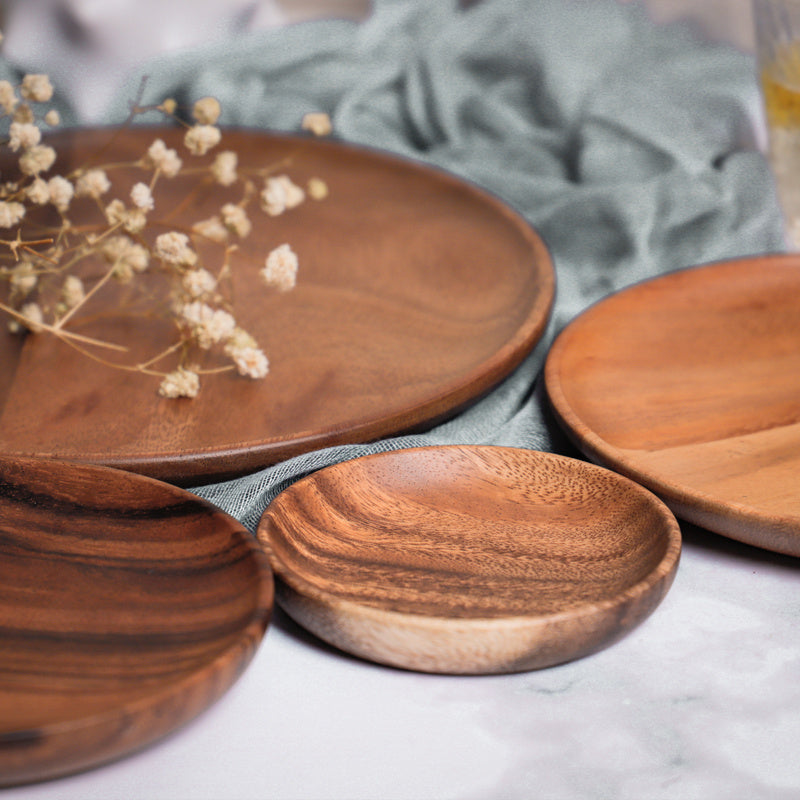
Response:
column 469, row 559
column 417, row 293
column 127, row 607
column 690, row 384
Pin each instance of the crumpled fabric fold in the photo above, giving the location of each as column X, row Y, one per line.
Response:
column 630, row 147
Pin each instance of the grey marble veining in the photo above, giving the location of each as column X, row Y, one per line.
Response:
column 702, row 702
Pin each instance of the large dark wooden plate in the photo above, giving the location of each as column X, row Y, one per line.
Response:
column 127, row 607
column 469, row 560
column 690, row 384
column 417, row 294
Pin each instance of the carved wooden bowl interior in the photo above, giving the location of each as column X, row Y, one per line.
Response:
column 469, row 559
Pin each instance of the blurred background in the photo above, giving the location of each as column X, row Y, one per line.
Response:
column 722, row 20
column 100, row 41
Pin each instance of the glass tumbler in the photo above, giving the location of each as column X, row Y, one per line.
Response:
column 777, row 30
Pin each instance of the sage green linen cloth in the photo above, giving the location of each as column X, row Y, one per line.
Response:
column 629, row 146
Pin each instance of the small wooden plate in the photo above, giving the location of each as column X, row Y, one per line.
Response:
column 126, row 608
column 690, row 385
column 469, row 559
column 417, row 293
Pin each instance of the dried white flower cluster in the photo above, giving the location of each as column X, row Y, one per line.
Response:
column 182, row 382
column 280, row 269
column 46, row 286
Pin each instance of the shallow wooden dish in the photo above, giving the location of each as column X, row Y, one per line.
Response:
column 690, row 384
column 127, row 607
column 417, row 293
column 469, row 559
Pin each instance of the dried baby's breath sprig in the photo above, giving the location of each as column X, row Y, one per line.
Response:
column 280, row 268
column 235, row 219
column 37, row 159
column 317, row 189
column 8, row 97
column 142, row 197
column 61, row 192
column 10, row 213
column 199, row 139
column 163, row 159
column 318, row 122
column 182, row 382
column 36, row 88
column 280, row 194
column 174, row 248
column 207, row 325
column 72, row 292
column 250, row 361
column 51, row 271
column 207, row 111
column 23, row 135
column 213, row 229
column 92, row 183
column 224, row 168
column 32, row 316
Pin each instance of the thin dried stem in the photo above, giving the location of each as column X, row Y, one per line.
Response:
column 197, row 296
column 62, row 334
column 91, row 293
column 113, row 364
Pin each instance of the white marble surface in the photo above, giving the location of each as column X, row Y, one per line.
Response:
column 701, row 702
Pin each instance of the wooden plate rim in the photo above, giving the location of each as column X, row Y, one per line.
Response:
column 218, row 463
column 188, row 684
column 691, row 504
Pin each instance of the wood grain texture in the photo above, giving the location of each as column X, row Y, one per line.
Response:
column 469, row 559
column 690, row 384
column 126, row 608
column 417, row 293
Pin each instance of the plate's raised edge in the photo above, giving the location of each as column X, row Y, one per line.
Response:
column 216, row 464
column 728, row 519
column 213, row 674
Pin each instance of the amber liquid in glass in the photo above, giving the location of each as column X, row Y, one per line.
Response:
column 780, row 85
